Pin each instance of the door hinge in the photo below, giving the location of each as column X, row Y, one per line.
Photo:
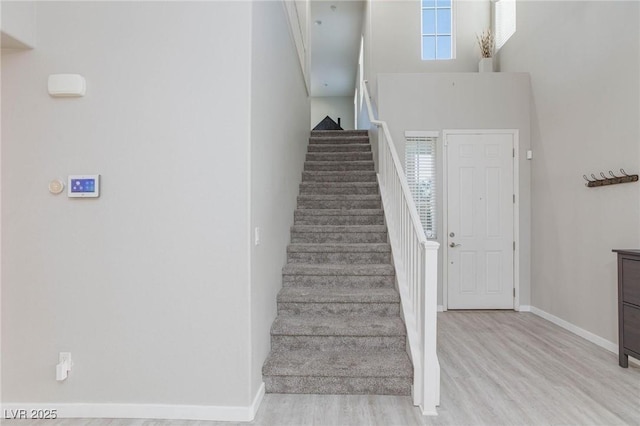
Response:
column 513, row 152
column 514, row 198
column 514, row 293
column 514, row 246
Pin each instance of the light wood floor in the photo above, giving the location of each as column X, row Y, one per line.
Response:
column 498, row 368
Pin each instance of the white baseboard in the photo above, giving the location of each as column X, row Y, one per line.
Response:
column 440, row 308
column 524, row 308
column 145, row 411
column 603, row 343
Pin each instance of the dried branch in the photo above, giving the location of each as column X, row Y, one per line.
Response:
column 486, row 43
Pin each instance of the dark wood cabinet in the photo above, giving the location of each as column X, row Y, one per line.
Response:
column 628, row 305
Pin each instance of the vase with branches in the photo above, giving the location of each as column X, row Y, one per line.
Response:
column 486, row 43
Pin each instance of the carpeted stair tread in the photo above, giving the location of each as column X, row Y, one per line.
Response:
column 339, row 188
column 337, row 201
column 339, row 147
column 339, row 212
column 339, row 176
column 339, row 364
column 363, row 165
column 337, row 140
column 339, row 228
column 338, row 269
column 338, row 295
column 339, row 197
column 338, row 325
column 347, row 140
column 340, row 133
column 340, row 173
column 329, row 234
column 339, row 248
column 339, row 156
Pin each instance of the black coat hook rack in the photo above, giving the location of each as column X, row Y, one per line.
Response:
column 613, row 180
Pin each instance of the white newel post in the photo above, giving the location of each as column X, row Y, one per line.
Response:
column 431, row 366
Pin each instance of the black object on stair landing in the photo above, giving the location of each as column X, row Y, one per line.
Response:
column 327, row 123
column 338, row 329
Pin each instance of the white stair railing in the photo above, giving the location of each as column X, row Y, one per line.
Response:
column 416, row 263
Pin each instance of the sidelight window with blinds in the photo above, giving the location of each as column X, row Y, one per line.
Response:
column 420, row 168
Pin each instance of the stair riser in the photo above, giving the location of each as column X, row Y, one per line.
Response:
column 343, row 156
column 339, row 148
column 339, row 220
column 338, row 385
column 339, row 166
column 339, row 134
column 340, row 281
column 338, row 343
column 377, row 309
column 338, row 177
column 353, row 140
column 339, row 258
column 336, row 237
column 332, row 189
column 339, row 204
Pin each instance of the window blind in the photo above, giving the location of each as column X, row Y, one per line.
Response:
column 504, row 21
column 420, row 169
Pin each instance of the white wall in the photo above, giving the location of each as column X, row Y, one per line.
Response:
column 147, row 286
column 437, row 101
column 334, row 107
column 393, row 38
column 585, row 119
column 279, row 135
column 18, row 24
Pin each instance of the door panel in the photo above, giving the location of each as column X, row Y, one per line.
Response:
column 480, row 221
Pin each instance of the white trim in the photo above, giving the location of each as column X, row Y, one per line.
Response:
column 587, row 335
column 516, row 208
column 603, row 343
column 516, row 218
column 148, row 411
column 524, row 308
column 440, row 308
column 421, row 134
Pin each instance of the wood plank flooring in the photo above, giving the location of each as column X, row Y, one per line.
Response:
column 498, row 368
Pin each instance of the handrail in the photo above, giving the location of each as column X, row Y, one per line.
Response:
column 394, row 155
column 416, row 263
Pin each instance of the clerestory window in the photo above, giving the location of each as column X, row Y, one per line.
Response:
column 437, row 29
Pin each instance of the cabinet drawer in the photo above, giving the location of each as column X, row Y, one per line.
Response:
column 631, row 332
column 631, row 281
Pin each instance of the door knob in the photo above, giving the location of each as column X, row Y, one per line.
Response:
column 452, row 245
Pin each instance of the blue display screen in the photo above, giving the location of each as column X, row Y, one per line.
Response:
column 83, row 185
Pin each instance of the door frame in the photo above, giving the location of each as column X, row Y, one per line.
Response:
column 445, row 209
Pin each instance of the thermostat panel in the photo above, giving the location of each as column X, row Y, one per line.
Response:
column 83, row 186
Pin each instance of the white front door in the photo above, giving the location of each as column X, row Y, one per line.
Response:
column 480, row 220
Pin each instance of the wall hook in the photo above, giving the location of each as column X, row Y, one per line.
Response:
column 613, row 180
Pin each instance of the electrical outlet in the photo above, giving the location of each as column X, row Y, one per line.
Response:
column 65, row 357
column 64, row 366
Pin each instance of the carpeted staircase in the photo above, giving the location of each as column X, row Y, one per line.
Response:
column 338, row 329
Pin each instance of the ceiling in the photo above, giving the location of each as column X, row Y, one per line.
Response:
column 335, row 46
